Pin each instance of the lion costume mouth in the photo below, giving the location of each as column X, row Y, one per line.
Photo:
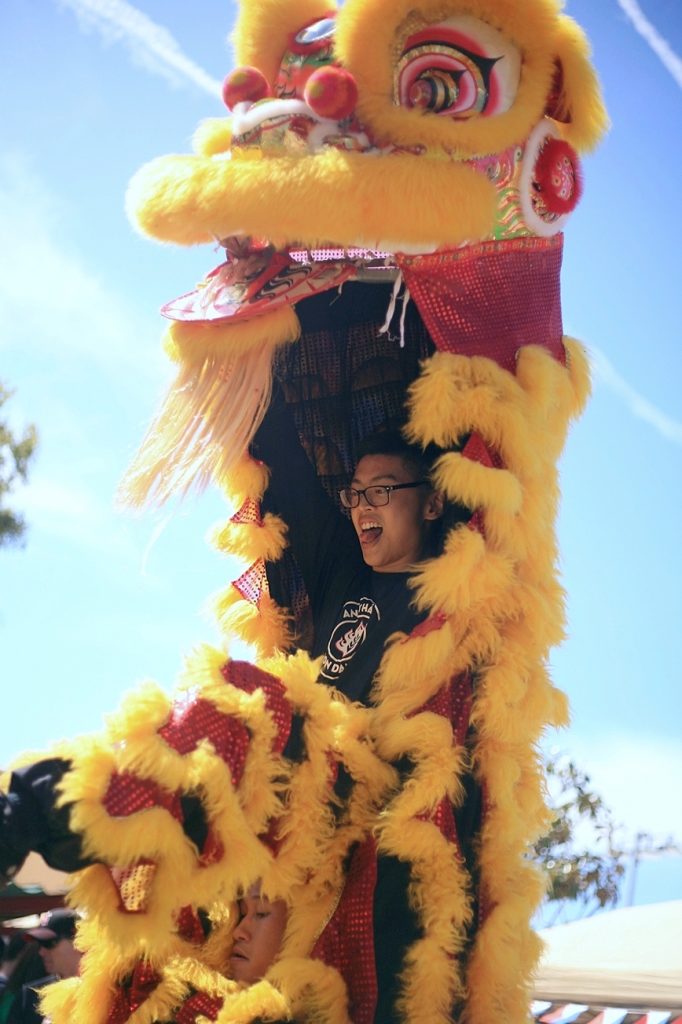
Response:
column 256, row 278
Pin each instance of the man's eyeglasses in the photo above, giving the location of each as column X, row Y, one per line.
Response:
column 50, row 943
column 376, row 495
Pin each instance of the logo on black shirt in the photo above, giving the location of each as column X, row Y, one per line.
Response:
column 348, row 635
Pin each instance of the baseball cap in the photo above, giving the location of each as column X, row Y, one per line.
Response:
column 55, row 924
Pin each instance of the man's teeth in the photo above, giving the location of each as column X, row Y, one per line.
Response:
column 370, row 526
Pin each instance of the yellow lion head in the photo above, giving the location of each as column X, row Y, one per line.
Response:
column 386, row 125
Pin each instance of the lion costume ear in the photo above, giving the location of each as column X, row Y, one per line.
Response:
column 575, row 99
column 263, row 27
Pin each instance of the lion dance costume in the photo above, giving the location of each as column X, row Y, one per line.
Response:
column 433, row 143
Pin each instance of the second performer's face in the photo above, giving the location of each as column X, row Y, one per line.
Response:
column 258, row 936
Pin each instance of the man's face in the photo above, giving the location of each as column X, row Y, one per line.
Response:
column 257, row 937
column 61, row 959
column 392, row 536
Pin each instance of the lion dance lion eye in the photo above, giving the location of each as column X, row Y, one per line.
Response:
column 439, row 90
column 460, row 68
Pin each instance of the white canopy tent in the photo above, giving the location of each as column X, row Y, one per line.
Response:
column 629, row 959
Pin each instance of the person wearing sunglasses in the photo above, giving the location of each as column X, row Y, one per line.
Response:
column 55, row 936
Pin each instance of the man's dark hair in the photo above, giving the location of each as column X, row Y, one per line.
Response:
column 391, row 442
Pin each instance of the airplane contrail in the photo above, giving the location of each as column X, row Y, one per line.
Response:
column 661, row 47
column 149, row 43
column 640, row 407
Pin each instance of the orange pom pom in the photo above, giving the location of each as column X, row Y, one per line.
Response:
column 332, row 93
column 244, row 85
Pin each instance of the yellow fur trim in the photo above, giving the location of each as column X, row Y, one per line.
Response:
column 476, row 485
column 237, row 817
column 262, row 29
column 413, row 670
column 369, row 40
column 252, row 541
column 314, row 903
column 503, row 611
column 309, row 822
column 267, row 627
column 213, row 135
column 190, row 200
column 59, row 1001
column 247, row 478
column 212, row 410
column 313, row 991
column 464, row 575
column 581, row 99
column 579, row 369
column 439, row 889
column 194, row 343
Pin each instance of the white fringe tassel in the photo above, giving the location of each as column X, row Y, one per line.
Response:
column 390, row 313
column 205, row 424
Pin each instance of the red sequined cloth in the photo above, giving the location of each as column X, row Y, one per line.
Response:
column 347, row 941
column 249, row 512
column 430, row 625
column 131, row 994
column 201, row 720
column 453, row 702
column 189, row 926
column 198, row 1005
column 249, row 678
column 252, row 583
column 491, row 299
column 127, row 794
column 476, row 450
column 213, row 850
column 134, row 884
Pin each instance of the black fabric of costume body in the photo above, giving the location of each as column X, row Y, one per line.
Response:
column 396, row 928
column 342, row 380
column 31, row 820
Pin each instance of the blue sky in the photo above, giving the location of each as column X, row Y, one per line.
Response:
column 98, row 600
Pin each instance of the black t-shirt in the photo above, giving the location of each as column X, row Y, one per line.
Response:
column 355, row 609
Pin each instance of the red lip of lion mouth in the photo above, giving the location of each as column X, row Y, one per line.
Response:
column 257, row 278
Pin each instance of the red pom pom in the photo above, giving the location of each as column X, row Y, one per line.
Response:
column 332, row 93
column 558, row 177
column 244, row 85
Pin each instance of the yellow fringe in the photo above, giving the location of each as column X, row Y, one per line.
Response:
column 212, row 410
